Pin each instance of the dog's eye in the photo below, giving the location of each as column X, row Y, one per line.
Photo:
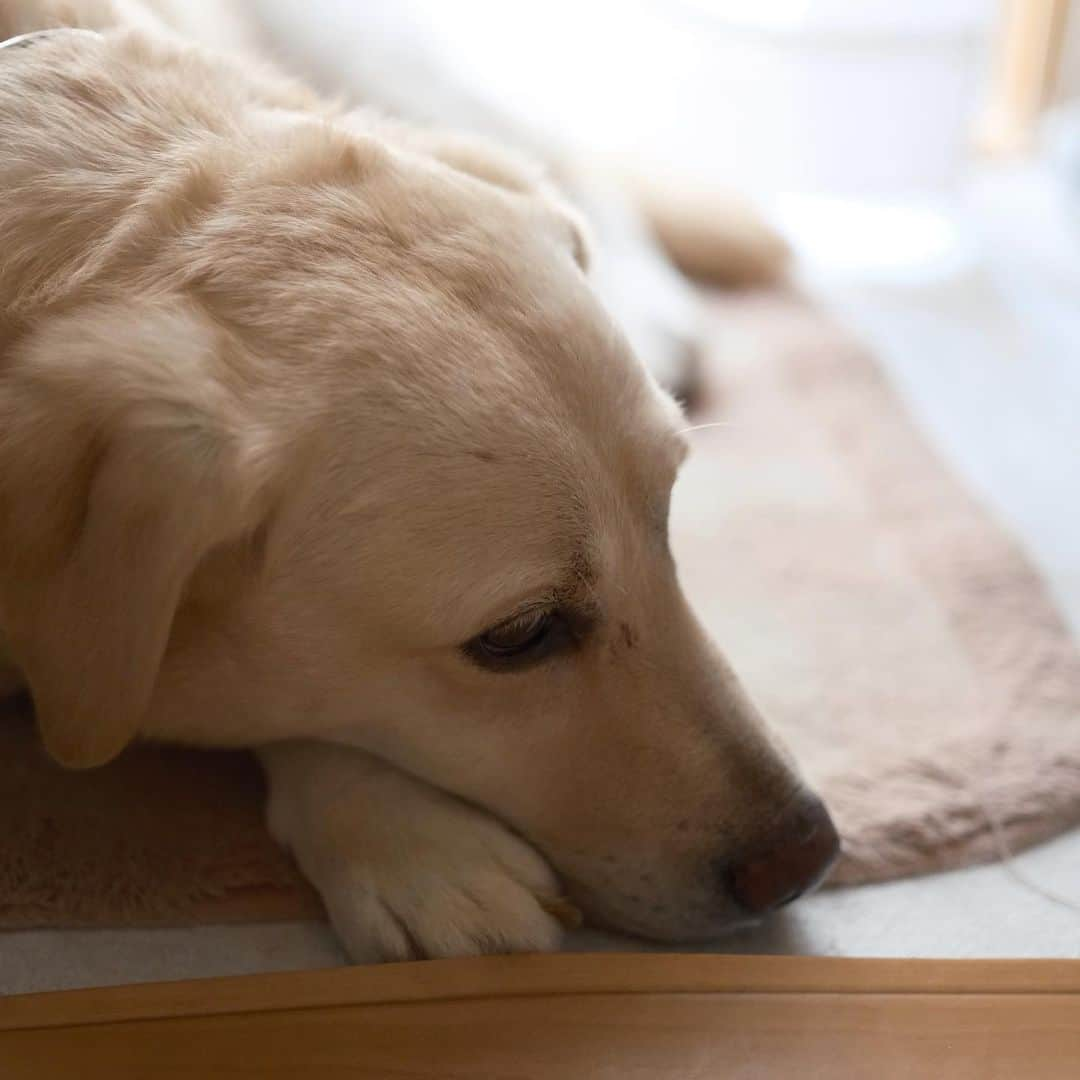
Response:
column 519, row 641
column 516, row 635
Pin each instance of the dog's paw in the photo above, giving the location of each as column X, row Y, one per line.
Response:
column 464, row 886
column 406, row 871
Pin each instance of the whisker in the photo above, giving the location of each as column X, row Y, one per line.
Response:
column 702, row 427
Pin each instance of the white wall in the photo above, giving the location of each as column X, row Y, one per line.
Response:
column 813, row 96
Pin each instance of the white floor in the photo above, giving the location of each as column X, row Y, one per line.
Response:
column 979, row 330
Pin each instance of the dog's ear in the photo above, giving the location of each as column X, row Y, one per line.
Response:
column 495, row 163
column 505, row 168
column 124, row 460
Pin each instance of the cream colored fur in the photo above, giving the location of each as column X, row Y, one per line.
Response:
column 292, row 405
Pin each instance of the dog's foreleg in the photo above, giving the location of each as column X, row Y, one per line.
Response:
column 406, row 871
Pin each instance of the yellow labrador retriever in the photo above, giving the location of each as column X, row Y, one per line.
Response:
column 314, row 439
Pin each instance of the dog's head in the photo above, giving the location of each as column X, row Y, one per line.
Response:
column 355, row 454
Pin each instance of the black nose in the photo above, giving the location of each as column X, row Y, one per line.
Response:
column 788, row 860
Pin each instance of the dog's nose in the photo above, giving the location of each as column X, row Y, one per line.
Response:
column 788, row 861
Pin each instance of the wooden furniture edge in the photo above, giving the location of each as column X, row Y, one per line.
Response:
column 1023, row 72
column 537, row 976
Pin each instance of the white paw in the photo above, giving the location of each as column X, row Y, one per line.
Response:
column 406, row 871
column 481, row 893
column 472, row 889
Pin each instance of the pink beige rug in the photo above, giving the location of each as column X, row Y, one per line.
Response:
column 890, row 628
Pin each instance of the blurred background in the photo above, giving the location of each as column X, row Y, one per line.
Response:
column 845, row 114
column 923, row 159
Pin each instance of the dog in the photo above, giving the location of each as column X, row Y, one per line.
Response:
column 315, row 439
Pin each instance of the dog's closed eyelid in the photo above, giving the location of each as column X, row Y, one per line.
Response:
column 568, row 629
column 554, row 640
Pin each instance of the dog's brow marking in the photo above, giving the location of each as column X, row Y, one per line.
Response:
column 582, row 570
